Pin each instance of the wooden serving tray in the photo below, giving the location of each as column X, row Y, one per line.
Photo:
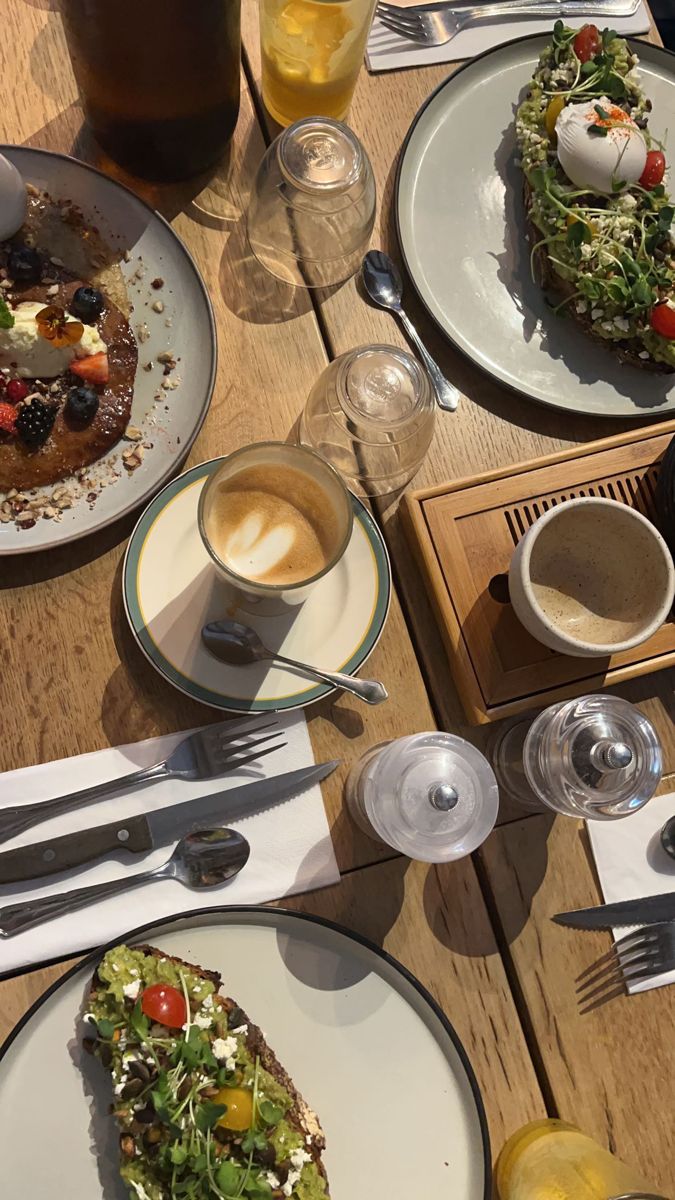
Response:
column 464, row 534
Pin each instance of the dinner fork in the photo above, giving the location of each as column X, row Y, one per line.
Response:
column 204, row 754
column 637, row 956
column 436, row 24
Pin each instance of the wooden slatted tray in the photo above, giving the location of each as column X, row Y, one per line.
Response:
column 464, row 534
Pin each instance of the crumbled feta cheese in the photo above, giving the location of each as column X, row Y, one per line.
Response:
column 132, row 989
column 116, row 966
column 299, row 1157
column 225, row 1050
column 139, row 1189
column 626, row 202
column 587, row 250
column 596, row 313
column 622, row 323
column 608, row 326
column 203, row 1020
column 242, row 1029
column 272, row 1179
column 133, row 971
column 207, row 1002
column 582, row 306
column 643, row 354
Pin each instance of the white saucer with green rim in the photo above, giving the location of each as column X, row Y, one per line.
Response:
column 171, row 589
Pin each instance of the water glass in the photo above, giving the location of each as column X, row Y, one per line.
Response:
column 431, row 796
column 312, row 208
column 371, row 413
column 312, row 52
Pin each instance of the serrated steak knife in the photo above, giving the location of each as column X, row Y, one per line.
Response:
column 646, row 911
column 156, row 828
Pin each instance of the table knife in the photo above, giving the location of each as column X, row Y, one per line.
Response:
column 645, row 911
column 139, row 834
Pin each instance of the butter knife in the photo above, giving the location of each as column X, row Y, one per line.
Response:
column 142, row 833
column 645, row 911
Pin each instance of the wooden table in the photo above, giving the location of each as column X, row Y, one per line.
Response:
column 478, row 932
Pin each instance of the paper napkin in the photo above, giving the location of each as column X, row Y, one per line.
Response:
column 386, row 51
column 291, row 848
column 632, row 863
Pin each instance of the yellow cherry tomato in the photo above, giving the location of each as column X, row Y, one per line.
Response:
column 239, row 1103
column 555, row 107
column 572, row 220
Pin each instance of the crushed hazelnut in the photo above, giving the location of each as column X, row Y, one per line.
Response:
column 158, row 306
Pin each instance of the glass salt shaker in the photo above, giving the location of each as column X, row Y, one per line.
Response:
column 371, row 413
column 431, row 796
column 596, row 757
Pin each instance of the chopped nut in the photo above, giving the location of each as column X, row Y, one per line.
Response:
column 170, row 384
column 132, row 457
column 157, row 283
column 142, row 332
column 49, row 512
column 32, row 190
column 127, row 256
column 51, row 291
column 147, row 366
column 25, row 519
column 158, row 306
column 133, row 434
column 57, row 262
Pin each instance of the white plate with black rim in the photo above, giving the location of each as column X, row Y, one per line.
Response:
column 363, row 1041
column 172, row 589
column 461, row 226
column 185, row 327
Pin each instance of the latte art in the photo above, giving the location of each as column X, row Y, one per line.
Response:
column 273, row 525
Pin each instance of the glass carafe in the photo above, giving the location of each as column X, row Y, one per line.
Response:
column 551, row 1160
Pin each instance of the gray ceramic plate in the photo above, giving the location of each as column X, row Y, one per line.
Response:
column 186, row 327
column 361, row 1038
column 461, row 226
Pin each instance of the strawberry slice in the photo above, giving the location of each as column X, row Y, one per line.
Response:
column 7, row 418
column 93, row 369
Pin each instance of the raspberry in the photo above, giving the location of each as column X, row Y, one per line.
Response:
column 7, row 418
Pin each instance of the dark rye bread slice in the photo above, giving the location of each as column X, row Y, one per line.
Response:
column 300, row 1116
column 627, row 349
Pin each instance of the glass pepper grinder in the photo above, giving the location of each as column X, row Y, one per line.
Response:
column 431, row 796
column 596, row 757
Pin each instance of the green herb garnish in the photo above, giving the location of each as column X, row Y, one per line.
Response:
column 6, row 315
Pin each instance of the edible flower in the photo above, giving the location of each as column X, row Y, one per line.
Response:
column 53, row 324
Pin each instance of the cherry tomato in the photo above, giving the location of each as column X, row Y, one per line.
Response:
column 164, row 1004
column 239, row 1103
column 662, row 318
column 655, row 169
column 587, row 43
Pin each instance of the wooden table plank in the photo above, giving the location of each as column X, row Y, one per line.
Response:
column 434, row 922
column 68, row 651
column 610, row 1070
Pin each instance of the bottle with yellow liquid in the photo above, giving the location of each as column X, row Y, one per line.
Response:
column 551, row 1160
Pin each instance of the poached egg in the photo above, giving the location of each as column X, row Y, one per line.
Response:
column 595, row 161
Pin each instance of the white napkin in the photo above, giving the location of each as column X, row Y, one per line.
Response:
column 291, row 848
column 386, row 51
column 632, row 863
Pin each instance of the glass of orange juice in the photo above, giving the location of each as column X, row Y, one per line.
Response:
column 312, row 52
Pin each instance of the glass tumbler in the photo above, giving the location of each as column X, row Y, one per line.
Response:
column 312, row 52
column 432, row 796
column 312, row 208
column 371, row 413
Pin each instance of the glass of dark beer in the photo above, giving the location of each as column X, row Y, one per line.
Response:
column 159, row 79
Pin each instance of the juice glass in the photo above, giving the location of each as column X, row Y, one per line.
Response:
column 311, row 55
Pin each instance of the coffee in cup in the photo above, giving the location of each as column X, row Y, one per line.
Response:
column 275, row 518
column 591, row 578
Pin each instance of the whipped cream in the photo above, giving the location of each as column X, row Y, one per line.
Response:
column 31, row 356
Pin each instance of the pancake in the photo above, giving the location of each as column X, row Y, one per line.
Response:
column 70, row 447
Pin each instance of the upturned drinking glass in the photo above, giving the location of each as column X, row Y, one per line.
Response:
column 371, row 413
column 312, row 208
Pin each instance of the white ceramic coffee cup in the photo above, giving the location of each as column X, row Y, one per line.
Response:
column 591, row 578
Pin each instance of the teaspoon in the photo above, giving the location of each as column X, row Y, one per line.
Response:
column 383, row 283
column 240, row 645
column 204, row 859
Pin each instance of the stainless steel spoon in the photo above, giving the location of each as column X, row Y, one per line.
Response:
column 383, row 283
column 240, row 645
column 668, row 837
column 204, row 859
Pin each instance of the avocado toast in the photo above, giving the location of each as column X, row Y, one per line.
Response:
column 604, row 248
column 205, row 1109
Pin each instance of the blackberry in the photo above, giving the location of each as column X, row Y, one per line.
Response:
column 82, row 404
column 25, row 265
column 86, row 304
column 34, row 423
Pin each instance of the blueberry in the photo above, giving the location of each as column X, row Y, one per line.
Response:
column 25, row 265
column 86, row 304
column 82, row 404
